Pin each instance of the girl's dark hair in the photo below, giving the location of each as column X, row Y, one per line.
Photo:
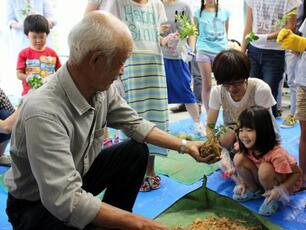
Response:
column 35, row 23
column 203, row 3
column 258, row 118
column 230, row 65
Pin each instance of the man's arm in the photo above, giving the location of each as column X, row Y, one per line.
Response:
column 163, row 139
column 115, row 218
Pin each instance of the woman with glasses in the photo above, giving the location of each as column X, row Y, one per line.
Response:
column 234, row 92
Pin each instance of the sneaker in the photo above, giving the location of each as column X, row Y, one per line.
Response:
column 247, row 195
column 199, row 129
column 288, row 122
column 5, row 160
column 178, row 109
column 268, row 208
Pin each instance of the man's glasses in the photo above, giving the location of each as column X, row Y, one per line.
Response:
column 234, row 84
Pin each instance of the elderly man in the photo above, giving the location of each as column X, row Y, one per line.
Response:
column 58, row 166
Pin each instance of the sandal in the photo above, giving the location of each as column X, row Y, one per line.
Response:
column 248, row 195
column 150, row 183
column 145, row 187
column 268, row 208
column 154, row 182
column 107, row 142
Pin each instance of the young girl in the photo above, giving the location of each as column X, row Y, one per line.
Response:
column 262, row 164
column 212, row 23
column 144, row 74
column 177, row 71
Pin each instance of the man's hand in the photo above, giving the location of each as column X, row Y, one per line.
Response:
column 193, row 149
column 142, row 223
column 290, row 41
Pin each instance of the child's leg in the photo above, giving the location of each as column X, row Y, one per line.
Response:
column 267, row 176
column 193, row 111
column 151, row 180
column 150, row 166
column 205, row 70
column 247, row 172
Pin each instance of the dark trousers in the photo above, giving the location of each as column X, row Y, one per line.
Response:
column 268, row 65
column 119, row 169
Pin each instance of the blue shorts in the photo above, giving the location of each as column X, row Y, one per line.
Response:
column 3, row 115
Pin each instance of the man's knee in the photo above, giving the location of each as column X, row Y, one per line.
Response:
column 139, row 150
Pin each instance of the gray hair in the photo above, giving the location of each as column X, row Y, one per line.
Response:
column 98, row 30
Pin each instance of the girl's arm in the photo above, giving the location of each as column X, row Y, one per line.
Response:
column 290, row 24
column 211, row 120
column 247, row 28
column 196, row 23
column 226, row 27
column 21, row 75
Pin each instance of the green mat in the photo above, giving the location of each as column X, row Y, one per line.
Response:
column 183, row 168
column 204, row 202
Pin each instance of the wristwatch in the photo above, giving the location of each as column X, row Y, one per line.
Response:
column 182, row 147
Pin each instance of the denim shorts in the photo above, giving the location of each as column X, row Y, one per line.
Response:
column 205, row 57
column 3, row 115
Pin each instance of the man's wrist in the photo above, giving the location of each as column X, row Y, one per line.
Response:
column 183, row 147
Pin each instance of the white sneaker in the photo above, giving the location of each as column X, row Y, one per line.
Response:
column 199, row 129
column 5, row 160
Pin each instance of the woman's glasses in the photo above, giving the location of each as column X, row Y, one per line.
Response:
column 234, row 84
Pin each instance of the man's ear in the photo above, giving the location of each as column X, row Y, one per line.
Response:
column 95, row 57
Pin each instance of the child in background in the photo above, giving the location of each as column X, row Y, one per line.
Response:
column 177, row 71
column 36, row 61
column 262, row 164
column 212, row 23
column 291, row 41
column 144, row 77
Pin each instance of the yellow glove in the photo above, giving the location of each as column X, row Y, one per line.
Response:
column 290, row 41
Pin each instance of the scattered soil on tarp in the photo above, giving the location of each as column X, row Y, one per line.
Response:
column 217, row 223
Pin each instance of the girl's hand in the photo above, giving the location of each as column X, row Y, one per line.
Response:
column 239, row 189
column 279, row 193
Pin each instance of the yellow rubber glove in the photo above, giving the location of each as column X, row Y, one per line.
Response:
column 290, row 41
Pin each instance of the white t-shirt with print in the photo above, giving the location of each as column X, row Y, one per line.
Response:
column 143, row 20
column 263, row 96
column 265, row 15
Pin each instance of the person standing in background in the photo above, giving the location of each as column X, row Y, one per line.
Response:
column 144, row 77
column 292, row 58
column 212, row 22
column 17, row 10
column 266, row 56
column 177, row 70
column 6, row 110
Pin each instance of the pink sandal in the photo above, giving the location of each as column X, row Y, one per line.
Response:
column 150, row 183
